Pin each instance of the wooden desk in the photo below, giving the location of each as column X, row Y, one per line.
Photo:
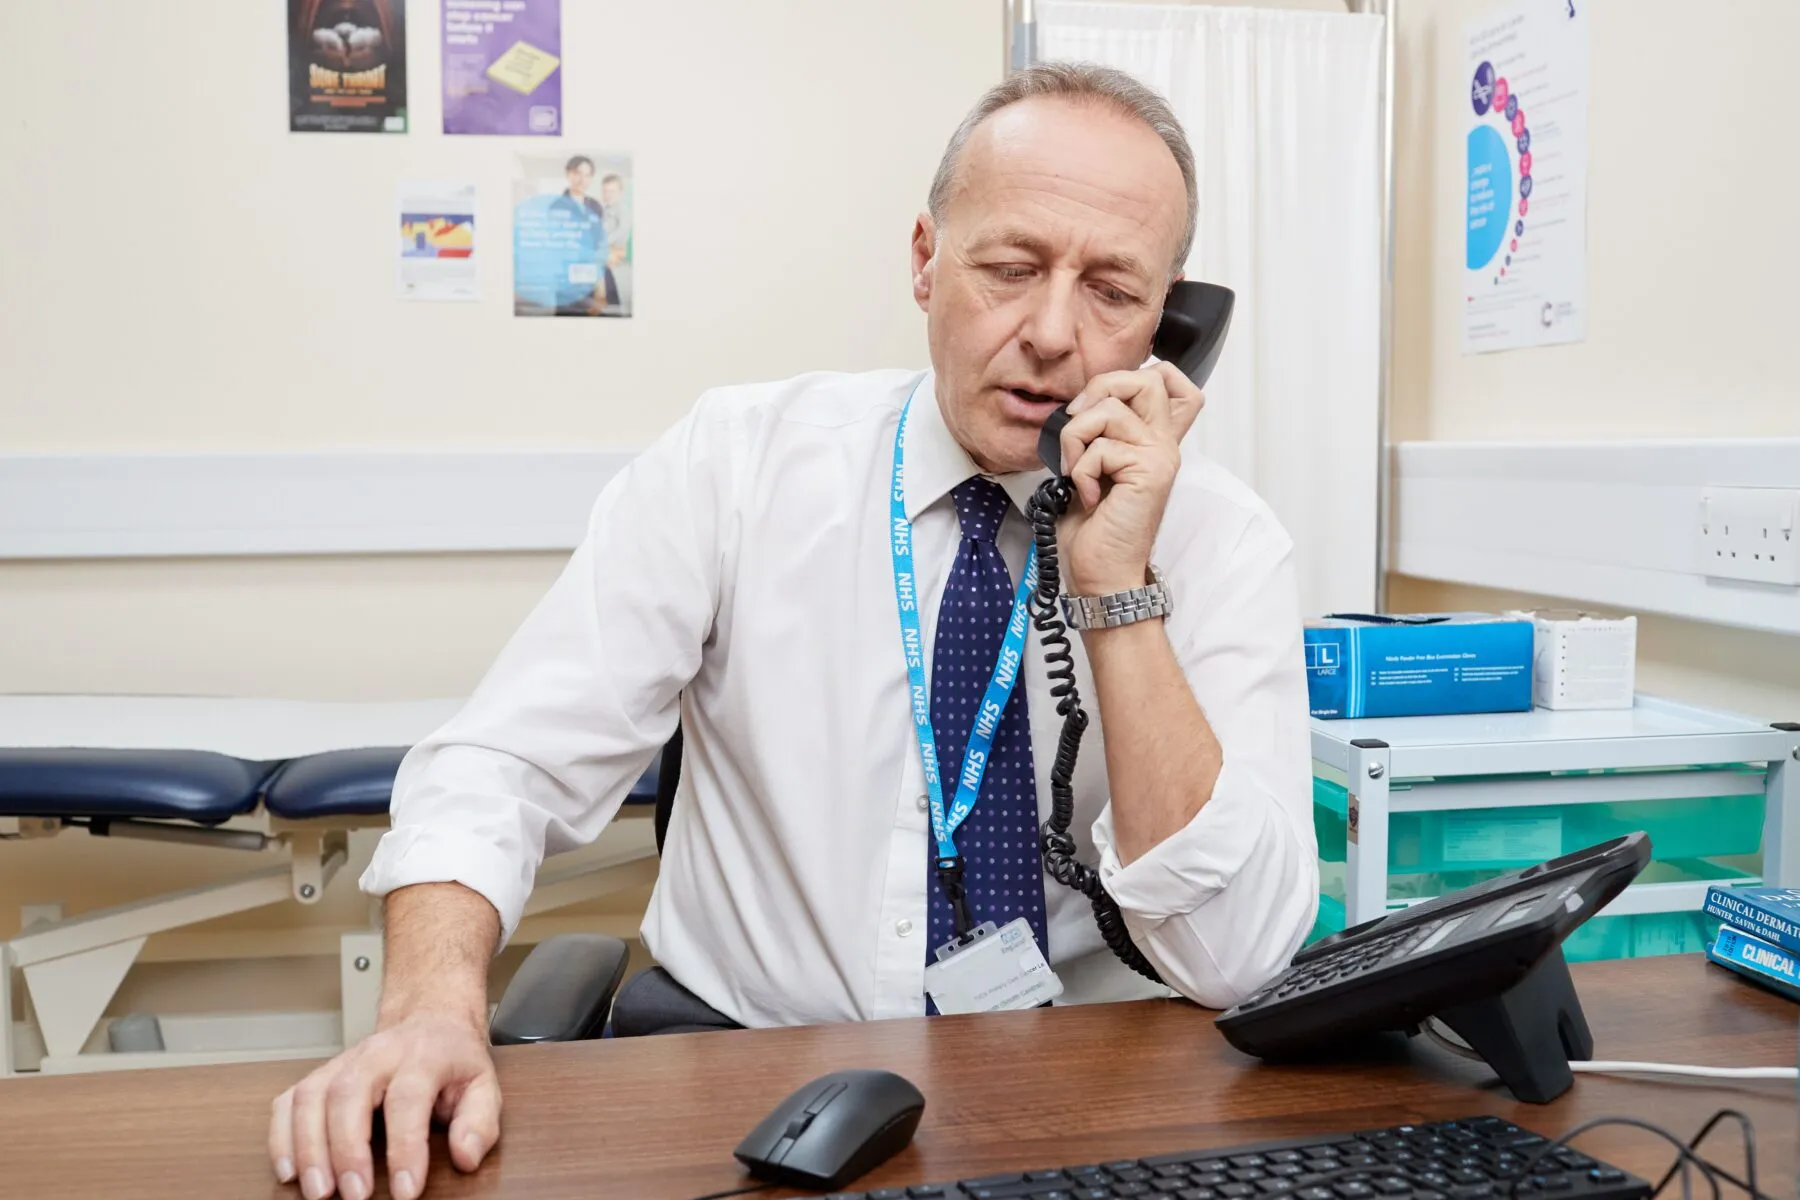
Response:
column 657, row 1118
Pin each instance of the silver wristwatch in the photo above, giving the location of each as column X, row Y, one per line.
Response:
column 1120, row 608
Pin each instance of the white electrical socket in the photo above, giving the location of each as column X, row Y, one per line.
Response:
column 1750, row 533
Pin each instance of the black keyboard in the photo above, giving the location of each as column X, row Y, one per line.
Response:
column 1474, row 1159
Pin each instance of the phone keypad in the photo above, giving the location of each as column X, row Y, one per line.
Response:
column 1342, row 965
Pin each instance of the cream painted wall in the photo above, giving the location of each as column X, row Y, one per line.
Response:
column 1307, row 5
column 1690, row 320
column 1690, row 316
column 376, row 628
column 185, row 274
column 246, row 302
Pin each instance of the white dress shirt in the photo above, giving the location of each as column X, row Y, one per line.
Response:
column 736, row 576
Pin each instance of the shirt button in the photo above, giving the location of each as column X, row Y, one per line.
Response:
column 924, row 803
column 903, row 927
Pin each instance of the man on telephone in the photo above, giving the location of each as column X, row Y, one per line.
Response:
column 744, row 579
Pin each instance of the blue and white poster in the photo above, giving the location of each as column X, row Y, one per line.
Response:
column 572, row 236
column 1525, row 177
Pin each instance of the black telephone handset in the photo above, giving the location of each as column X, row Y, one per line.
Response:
column 1190, row 335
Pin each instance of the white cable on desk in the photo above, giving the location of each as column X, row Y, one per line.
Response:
column 1434, row 1030
column 1602, row 1067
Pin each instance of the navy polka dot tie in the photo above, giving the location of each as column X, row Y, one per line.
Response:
column 1002, row 869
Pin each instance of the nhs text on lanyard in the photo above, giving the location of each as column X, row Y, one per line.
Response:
column 1006, row 672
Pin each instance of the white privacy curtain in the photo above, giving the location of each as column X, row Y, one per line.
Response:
column 1283, row 110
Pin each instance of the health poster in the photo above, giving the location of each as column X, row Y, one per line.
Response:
column 347, row 66
column 503, row 66
column 1525, row 227
column 572, row 243
column 437, row 242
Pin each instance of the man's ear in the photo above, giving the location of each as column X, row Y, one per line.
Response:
column 924, row 260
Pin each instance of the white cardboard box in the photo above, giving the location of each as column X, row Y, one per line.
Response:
column 1580, row 660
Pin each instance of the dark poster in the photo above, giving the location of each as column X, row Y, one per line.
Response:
column 347, row 66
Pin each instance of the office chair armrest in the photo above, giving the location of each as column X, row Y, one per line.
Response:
column 562, row 992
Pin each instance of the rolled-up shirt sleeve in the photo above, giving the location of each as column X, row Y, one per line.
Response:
column 1221, row 905
column 582, row 697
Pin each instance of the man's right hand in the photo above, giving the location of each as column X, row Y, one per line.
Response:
column 428, row 1064
column 428, row 1057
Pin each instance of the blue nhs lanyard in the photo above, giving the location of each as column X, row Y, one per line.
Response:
column 1000, row 685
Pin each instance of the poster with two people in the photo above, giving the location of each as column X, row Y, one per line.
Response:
column 572, row 235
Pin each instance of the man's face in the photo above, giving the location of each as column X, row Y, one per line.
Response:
column 579, row 178
column 1050, row 268
column 610, row 191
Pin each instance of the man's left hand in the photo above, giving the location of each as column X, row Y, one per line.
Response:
column 1122, row 448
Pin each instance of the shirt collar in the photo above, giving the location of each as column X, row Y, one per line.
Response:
column 936, row 462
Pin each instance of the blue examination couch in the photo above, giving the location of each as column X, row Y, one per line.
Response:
column 306, row 804
column 93, row 788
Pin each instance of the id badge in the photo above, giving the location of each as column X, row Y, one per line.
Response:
column 992, row 970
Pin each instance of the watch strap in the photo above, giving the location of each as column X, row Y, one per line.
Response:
column 1114, row 609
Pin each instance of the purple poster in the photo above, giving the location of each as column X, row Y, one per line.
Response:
column 502, row 66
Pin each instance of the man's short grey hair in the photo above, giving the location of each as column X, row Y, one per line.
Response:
column 1085, row 83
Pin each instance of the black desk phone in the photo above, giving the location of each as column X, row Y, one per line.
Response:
column 1190, row 334
column 1486, row 961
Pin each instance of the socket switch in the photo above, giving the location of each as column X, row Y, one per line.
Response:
column 1750, row 533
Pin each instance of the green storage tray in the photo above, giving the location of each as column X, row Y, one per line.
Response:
column 1702, row 839
column 1483, row 842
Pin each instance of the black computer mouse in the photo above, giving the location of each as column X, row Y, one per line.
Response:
column 835, row 1129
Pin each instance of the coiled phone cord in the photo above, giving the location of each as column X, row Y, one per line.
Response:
column 1049, row 502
